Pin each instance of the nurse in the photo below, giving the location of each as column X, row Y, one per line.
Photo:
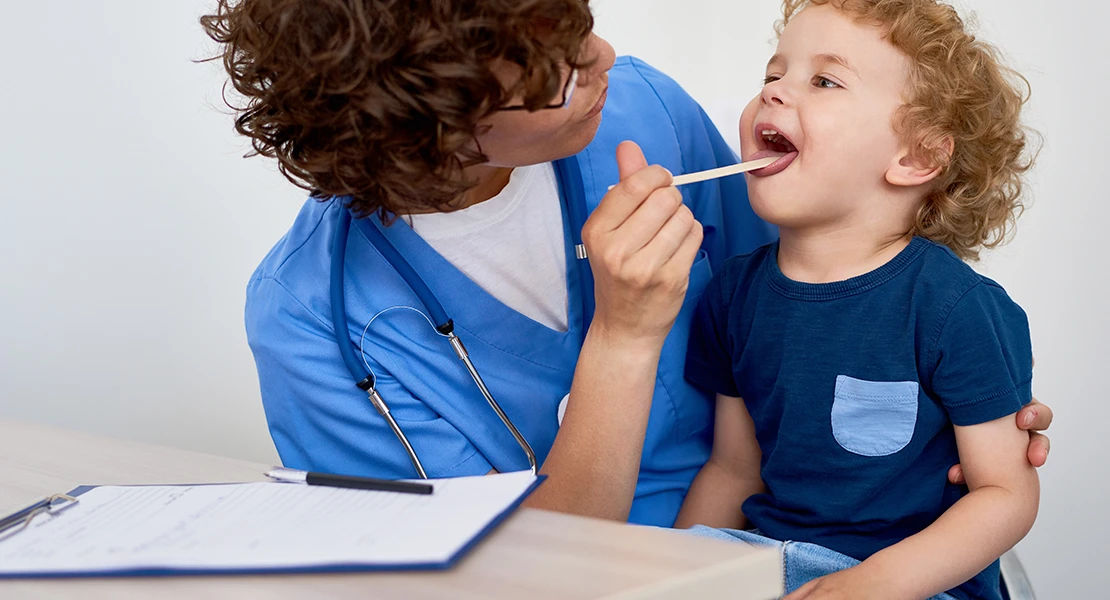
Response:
column 475, row 137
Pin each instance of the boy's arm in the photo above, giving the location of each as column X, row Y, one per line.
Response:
column 730, row 476
column 968, row 537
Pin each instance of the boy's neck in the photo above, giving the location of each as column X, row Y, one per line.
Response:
column 826, row 256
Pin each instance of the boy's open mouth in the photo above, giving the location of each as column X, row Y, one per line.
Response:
column 770, row 142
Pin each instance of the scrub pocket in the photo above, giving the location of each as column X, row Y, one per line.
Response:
column 874, row 418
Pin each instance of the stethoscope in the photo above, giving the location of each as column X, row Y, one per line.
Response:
column 569, row 177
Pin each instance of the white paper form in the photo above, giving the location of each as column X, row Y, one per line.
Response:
column 259, row 526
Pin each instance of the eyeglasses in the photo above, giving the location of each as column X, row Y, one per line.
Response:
column 568, row 93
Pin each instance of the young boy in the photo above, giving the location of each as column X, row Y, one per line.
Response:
column 858, row 357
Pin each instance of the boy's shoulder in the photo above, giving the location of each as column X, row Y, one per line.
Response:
column 939, row 264
column 940, row 282
column 738, row 273
column 976, row 347
column 747, row 262
column 939, row 269
column 944, row 274
column 971, row 316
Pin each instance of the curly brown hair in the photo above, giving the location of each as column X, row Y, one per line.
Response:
column 381, row 100
column 963, row 113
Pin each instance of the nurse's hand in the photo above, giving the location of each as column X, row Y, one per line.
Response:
column 1033, row 418
column 642, row 241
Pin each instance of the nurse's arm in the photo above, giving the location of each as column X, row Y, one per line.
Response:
column 730, row 476
column 594, row 462
column 642, row 242
column 993, row 517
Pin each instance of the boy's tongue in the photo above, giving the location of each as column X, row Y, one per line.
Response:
column 780, row 165
column 766, row 154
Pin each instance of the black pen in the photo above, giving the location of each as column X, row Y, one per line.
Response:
column 348, row 481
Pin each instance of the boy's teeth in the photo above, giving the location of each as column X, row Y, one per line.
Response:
column 770, row 132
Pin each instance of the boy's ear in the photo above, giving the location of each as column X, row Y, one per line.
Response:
column 912, row 168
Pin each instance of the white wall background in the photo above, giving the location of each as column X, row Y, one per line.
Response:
column 131, row 223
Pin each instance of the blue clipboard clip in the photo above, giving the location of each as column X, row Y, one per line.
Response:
column 19, row 520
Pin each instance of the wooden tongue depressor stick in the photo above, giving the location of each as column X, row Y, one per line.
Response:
column 722, row 172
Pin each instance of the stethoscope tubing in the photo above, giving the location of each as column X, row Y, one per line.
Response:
column 366, row 379
column 441, row 322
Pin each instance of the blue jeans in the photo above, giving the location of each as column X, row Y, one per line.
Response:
column 801, row 561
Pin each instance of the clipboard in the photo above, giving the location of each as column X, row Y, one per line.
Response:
column 254, row 528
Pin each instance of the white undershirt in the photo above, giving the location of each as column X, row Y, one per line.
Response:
column 511, row 245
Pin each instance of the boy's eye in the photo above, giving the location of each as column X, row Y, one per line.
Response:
column 824, row 82
column 770, row 79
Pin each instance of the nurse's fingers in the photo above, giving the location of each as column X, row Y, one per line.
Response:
column 638, row 182
column 648, row 221
column 630, row 159
column 676, row 269
column 683, row 258
column 1035, row 416
column 664, row 263
column 1039, row 446
column 663, row 246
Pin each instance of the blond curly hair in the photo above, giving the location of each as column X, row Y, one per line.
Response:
column 963, row 113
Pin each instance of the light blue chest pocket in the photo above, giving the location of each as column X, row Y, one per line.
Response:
column 874, row 418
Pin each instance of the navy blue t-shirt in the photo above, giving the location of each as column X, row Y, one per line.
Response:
column 854, row 387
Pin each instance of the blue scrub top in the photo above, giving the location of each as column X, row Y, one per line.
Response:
column 319, row 420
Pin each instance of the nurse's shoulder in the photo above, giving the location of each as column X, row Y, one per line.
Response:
column 298, row 264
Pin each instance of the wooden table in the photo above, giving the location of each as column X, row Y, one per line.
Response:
column 535, row 554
